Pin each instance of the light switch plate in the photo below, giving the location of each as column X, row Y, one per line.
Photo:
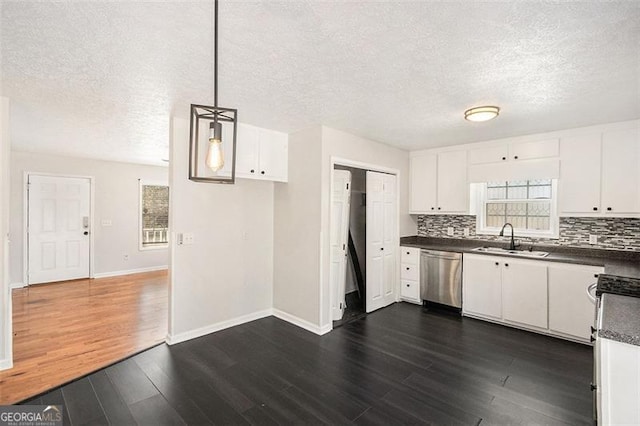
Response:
column 188, row 238
column 450, row 231
column 593, row 239
column 105, row 222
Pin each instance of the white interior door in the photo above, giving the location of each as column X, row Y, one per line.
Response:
column 340, row 203
column 382, row 241
column 58, row 228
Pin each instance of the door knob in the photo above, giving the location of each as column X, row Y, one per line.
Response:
column 86, row 232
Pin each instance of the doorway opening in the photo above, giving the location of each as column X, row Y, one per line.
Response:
column 364, row 248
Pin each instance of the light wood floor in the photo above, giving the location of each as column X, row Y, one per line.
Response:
column 62, row 331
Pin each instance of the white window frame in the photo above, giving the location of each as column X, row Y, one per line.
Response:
column 554, row 220
column 141, row 246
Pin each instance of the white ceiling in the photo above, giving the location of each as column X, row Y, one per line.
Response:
column 101, row 79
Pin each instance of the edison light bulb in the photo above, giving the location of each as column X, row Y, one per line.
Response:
column 215, row 157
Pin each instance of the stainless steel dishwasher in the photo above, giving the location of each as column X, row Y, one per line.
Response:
column 441, row 277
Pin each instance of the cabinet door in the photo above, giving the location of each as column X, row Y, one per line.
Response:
column 534, row 150
column 579, row 184
column 621, row 171
column 490, row 154
column 524, row 293
column 247, row 151
column 453, row 189
column 274, row 155
column 423, row 184
column 482, row 285
column 571, row 311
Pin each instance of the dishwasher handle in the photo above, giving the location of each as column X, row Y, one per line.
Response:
column 441, row 254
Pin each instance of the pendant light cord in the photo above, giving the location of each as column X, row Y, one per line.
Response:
column 215, row 54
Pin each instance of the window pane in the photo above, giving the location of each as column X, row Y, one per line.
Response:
column 497, row 193
column 524, row 215
column 155, row 215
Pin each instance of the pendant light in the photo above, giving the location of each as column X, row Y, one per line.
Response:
column 211, row 166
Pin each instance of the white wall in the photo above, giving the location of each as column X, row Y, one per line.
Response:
column 339, row 144
column 226, row 276
column 302, row 211
column 116, row 198
column 297, row 233
column 5, row 291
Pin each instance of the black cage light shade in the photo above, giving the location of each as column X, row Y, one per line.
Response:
column 202, row 141
column 213, row 130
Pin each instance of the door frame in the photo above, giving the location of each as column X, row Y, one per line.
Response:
column 325, row 308
column 25, row 219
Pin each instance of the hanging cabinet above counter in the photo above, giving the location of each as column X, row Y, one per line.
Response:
column 262, row 154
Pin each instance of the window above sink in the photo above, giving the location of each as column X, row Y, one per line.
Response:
column 530, row 205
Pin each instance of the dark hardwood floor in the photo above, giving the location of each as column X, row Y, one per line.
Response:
column 399, row 365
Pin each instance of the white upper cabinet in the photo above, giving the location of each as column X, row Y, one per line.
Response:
column 600, row 173
column 621, row 171
column 453, row 188
column 424, row 172
column 439, row 183
column 534, row 150
column 579, row 183
column 514, row 151
column 489, row 154
column 262, row 154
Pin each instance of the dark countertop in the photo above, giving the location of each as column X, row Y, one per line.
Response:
column 616, row 262
column 620, row 318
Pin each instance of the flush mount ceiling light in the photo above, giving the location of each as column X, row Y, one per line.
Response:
column 209, row 126
column 481, row 113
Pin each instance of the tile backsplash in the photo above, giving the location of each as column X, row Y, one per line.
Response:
column 613, row 233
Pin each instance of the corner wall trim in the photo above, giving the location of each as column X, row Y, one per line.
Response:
column 130, row 271
column 208, row 329
column 13, row 286
column 6, row 364
column 302, row 323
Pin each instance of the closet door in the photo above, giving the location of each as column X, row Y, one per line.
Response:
column 382, row 240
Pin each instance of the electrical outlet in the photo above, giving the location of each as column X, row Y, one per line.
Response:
column 125, row 257
column 188, row 238
column 466, row 232
column 450, row 231
column 593, row 239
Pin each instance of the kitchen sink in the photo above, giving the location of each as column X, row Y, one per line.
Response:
column 507, row 252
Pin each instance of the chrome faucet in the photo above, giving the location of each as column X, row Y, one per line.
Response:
column 512, row 245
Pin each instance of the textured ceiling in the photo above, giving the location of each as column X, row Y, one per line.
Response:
column 101, row 79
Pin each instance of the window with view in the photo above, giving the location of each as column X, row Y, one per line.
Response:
column 529, row 205
column 154, row 216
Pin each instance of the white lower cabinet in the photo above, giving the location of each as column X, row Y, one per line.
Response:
column 482, row 286
column 410, row 274
column 547, row 297
column 570, row 309
column 524, row 293
column 618, row 383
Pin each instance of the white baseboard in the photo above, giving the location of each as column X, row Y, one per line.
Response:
column 6, row 364
column 302, row 323
column 13, row 286
column 188, row 335
column 130, row 271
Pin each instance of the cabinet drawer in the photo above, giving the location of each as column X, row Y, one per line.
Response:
column 409, row 272
column 410, row 255
column 410, row 289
